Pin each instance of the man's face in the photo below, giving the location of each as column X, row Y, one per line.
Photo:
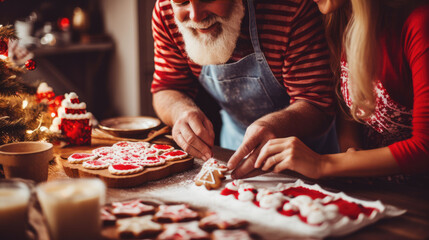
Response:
column 210, row 28
column 202, row 14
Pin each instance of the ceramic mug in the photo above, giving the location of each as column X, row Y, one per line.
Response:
column 28, row 160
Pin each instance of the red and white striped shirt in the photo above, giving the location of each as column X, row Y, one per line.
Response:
column 291, row 36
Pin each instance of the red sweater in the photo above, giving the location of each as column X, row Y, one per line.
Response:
column 405, row 76
column 412, row 154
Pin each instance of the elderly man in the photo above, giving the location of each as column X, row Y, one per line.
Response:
column 265, row 62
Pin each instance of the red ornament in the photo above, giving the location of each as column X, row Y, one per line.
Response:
column 76, row 131
column 3, row 46
column 30, row 64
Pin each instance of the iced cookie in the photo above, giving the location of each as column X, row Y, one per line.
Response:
column 175, row 213
column 188, row 230
column 231, row 235
column 96, row 164
column 162, row 147
column 80, row 157
column 175, row 155
column 138, row 227
column 124, row 169
column 215, row 221
column 211, row 174
column 136, row 145
column 132, row 208
column 106, row 217
column 152, row 161
column 103, row 151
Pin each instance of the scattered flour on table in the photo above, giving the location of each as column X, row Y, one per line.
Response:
column 269, row 224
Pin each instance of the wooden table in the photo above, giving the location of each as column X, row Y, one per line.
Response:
column 411, row 195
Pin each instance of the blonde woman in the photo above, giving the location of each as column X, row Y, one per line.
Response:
column 380, row 52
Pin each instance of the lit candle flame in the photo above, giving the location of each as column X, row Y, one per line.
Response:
column 24, row 104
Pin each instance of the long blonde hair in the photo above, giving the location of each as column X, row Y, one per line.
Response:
column 353, row 31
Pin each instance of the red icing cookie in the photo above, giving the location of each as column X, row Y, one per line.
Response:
column 80, row 157
column 132, row 208
column 96, row 164
column 136, row 145
column 103, row 151
column 175, row 155
column 162, row 147
column 175, row 213
column 152, row 161
column 188, row 230
column 124, row 169
column 150, row 152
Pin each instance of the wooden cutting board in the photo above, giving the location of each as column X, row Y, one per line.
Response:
column 132, row 180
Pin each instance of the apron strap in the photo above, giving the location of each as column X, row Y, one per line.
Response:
column 253, row 30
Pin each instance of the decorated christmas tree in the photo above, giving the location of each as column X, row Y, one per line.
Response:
column 22, row 117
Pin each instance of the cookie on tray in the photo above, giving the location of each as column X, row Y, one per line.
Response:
column 131, row 209
column 189, row 230
column 136, row 145
column 81, row 157
column 103, row 151
column 175, row 155
column 124, row 169
column 152, row 161
column 138, row 227
column 96, row 164
column 175, row 213
column 162, row 147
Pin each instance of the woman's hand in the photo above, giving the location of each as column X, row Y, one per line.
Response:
column 290, row 154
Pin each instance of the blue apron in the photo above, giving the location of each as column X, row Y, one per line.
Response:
column 247, row 90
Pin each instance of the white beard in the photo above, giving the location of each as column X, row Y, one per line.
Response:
column 207, row 49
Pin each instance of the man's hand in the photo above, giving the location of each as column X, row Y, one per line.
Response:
column 257, row 134
column 193, row 132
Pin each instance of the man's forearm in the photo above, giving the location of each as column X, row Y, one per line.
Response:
column 301, row 119
column 169, row 104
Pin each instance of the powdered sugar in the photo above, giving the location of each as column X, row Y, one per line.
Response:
column 268, row 223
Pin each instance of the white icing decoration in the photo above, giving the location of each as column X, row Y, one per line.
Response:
column 71, row 95
column 245, row 195
column 67, row 104
column 43, row 88
column 272, row 201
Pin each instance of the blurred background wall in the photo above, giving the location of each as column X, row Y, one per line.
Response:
column 100, row 49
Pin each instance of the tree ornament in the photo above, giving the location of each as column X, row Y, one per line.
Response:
column 30, row 64
column 3, row 46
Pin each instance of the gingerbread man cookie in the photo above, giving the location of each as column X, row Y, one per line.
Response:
column 211, row 174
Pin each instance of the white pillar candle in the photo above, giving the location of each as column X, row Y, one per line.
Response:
column 14, row 198
column 72, row 207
